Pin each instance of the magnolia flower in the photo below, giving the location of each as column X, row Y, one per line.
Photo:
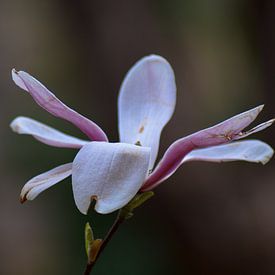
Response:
column 112, row 173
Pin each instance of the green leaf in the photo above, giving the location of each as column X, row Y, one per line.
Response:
column 139, row 199
column 127, row 211
column 89, row 239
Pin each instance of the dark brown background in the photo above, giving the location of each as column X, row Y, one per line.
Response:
column 207, row 218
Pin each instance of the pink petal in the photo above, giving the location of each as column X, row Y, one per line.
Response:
column 247, row 150
column 221, row 133
column 44, row 133
column 53, row 105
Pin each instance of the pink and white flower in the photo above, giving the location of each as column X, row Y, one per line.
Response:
column 112, row 173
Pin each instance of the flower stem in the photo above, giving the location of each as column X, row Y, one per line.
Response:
column 124, row 213
column 118, row 221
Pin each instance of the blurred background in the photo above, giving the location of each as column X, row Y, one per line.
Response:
column 207, row 218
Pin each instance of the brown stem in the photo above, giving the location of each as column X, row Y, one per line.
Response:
column 118, row 221
column 88, row 268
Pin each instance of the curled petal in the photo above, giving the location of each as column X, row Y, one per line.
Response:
column 110, row 173
column 221, row 133
column 44, row 181
column 247, row 150
column 146, row 102
column 255, row 129
column 44, row 133
column 48, row 101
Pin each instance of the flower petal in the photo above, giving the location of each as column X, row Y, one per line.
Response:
column 256, row 129
column 53, row 105
column 146, row 102
column 248, row 150
column 111, row 173
column 44, row 181
column 44, row 133
column 221, row 133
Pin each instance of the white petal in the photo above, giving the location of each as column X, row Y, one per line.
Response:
column 44, row 133
column 146, row 102
column 256, row 129
column 111, row 173
column 44, row 181
column 249, row 150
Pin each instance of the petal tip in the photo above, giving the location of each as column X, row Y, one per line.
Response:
column 268, row 123
column 23, row 198
column 268, row 157
column 271, row 121
column 14, row 125
column 14, row 71
column 260, row 108
column 16, row 77
column 154, row 58
column 17, row 123
column 24, row 194
column 255, row 111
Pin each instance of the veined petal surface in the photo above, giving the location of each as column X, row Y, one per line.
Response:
column 48, row 101
column 110, row 173
column 146, row 102
column 221, row 133
column 247, row 150
column 44, row 181
column 44, row 133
